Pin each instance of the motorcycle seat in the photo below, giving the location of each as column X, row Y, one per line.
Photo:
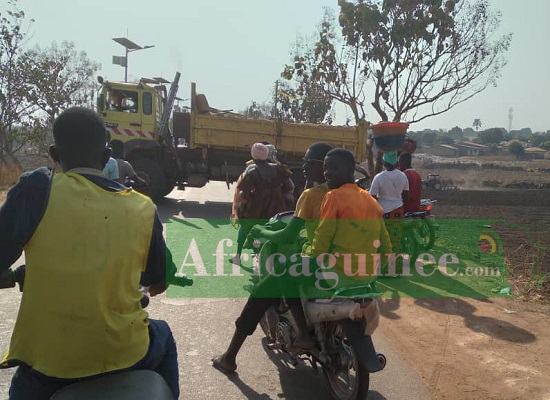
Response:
column 134, row 385
column 415, row 214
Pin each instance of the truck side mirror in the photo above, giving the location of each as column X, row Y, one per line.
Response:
column 100, row 102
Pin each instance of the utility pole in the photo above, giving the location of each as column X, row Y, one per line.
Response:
column 275, row 98
column 129, row 46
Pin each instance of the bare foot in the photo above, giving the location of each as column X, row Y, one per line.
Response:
column 223, row 365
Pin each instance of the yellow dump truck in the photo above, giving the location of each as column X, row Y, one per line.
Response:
column 169, row 149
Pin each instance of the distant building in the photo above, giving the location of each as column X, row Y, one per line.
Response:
column 471, row 149
column 534, row 153
column 443, row 150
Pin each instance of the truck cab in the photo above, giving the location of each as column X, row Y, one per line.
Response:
column 131, row 111
column 133, row 114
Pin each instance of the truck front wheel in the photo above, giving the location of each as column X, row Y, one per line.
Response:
column 148, row 170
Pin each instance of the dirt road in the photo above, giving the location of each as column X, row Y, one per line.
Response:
column 437, row 348
column 202, row 328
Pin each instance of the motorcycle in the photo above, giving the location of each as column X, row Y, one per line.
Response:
column 341, row 327
column 415, row 237
column 135, row 385
column 424, row 224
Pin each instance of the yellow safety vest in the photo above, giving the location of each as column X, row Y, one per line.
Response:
column 80, row 313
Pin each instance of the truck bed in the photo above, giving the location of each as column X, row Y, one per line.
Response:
column 233, row 132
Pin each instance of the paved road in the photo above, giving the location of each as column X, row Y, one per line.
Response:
column 202, row 328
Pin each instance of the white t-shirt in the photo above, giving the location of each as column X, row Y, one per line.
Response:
column 111, row 169
column 388, row 186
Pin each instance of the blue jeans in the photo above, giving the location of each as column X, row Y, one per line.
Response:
column 161, row 357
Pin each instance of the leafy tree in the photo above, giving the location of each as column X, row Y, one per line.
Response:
column 324, row 69
column 258, row 110
column 428, row 137
column 536, row 139
column 444, row 139
column 469, row 132
column 36, row 85
column 424, row 52
column 59, row 77
column 306, row 102
column 522, row 133
column 456, row 133
column 424, row 56
column 516, row 148
column 477, row 124
column 15, row 111
column 493, row 135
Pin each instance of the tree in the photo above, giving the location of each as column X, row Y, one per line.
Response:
column 258, row 110
column 428, row 137
column 15, row 111
column 36, row 85
column 477, row 124
column 322, row 70
column 493, row 135
column 306, row 102
column 59, row 77
column 424, row 53
column 516, row 148
column 456, row 133
column 423, row 57
column 469, row 132
column 536, row 139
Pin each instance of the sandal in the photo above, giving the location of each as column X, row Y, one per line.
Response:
column 217, row 363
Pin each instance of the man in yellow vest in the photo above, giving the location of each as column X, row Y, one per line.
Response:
column 89, row 243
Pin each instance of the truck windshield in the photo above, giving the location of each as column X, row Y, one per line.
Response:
column 122, row 100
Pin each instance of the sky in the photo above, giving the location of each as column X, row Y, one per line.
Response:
column 235, row 50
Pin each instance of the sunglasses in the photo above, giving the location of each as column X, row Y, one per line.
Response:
column 310, row 160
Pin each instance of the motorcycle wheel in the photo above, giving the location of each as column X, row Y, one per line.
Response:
column 409, row 244
column 269, row 322
column 348, row 379
column 426, row 234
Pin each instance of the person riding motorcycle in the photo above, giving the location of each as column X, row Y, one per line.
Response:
column 351, row 226
column 412, row 202
column 307, row 214
column 360, row 220
column 80, row 315
column 126, row 172
column 390, row 188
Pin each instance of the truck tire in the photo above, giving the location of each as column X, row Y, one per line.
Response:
column 170, row 184
column 148, row 170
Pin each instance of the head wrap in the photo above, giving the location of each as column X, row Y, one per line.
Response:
column 390, row 157
column 259, row 151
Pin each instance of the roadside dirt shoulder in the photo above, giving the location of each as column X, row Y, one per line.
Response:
column 473, row 349
column 483, row 348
